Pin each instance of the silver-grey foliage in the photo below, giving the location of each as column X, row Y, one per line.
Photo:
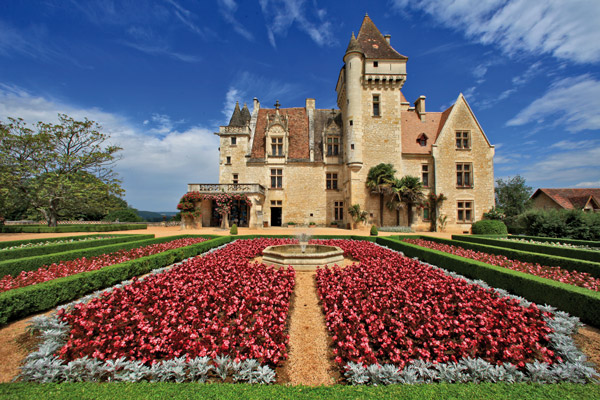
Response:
column 574, row 366
column 44, row 366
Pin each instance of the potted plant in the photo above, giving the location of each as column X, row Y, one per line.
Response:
column 312, row 224
column 357, row 215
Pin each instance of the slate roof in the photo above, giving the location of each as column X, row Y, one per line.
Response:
column 571, row 198
column 413, row 127
column 237, row 118
column 373, row 44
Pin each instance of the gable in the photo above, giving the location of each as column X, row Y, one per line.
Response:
column 460, row 117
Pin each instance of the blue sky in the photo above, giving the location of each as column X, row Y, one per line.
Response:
column 161, row 76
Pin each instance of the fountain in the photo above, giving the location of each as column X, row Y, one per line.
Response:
column 302, row 256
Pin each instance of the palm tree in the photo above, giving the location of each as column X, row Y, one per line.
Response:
column 379, row 180
column 409, row 190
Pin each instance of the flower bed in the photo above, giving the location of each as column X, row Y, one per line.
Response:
column 551, row 243
column 410, row 322
column 581, row 279
column 68, row 268
column 212, row 306
column 51, row 242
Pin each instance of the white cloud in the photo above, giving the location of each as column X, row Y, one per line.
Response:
column 231, row 97
column 161, row 49
column 569, row 168
column 573, row 145
column 155, row 169
column 565, row 29
column 571, row 102
column 282, row 14
column 228, row 9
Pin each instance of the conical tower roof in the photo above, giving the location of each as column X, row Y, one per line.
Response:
column 246, row 117
column 353, row 46
column 373, row 44
column 236, row 118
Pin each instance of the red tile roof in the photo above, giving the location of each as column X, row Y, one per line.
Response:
column 298, row 133
column 571, row 198
column 412, row 128
column 373, row 44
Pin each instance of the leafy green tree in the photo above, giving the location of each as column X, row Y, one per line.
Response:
column 512, row 196
column 409, row 191
column 59, row 169
column 124, row 215
column 379, row 180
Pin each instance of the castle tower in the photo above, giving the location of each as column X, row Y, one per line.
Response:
column 371, row 102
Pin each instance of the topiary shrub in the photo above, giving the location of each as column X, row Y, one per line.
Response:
column 233, row 230
column 489, row 227
column 374, row 231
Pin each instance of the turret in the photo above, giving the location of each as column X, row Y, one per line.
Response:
column 353, row 60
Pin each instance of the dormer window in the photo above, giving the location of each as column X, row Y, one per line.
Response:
column 277, row 146
column 422, row 140
column 333, row 146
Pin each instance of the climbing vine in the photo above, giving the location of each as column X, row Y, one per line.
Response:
column 224, row 202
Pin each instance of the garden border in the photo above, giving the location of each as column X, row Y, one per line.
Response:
column 571, row 264
column 70, row 228
column 577, row 301
column 24, row 301
column 566, row 252
column 50, row 248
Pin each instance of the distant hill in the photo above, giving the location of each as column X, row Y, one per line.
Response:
column 152, row 216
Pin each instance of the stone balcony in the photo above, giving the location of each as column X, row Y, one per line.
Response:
column 216, row 188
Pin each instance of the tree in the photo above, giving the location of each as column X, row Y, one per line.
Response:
column 124, row 215
column 512, row 196
column 379, row 181
column 408, row 190
column 61, row 169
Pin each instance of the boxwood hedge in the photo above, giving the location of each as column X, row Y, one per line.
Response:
column 21, row 302
column 570, row 264
column 11, row 243
column 580, row 302
column 14, row 267
column 69, row 246
column 591, row 243
column 71, row 228
column 582, row 254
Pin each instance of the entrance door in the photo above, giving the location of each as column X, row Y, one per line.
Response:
column 275, row 216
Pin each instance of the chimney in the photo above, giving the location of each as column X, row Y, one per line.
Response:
column 310, row 104
column 420, row 107
column 255, row 105
column 388, row 38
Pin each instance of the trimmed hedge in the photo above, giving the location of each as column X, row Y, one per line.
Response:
column 14, row 267
column 591, row 243
column 21, row 302
column 62, row 247
column 71, row 228
column 570, row 264
column 581, row 254
column 11, row 243
column 225, row 391
column 580, row 302
column 489, row 227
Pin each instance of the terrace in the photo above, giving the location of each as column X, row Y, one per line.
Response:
column 215, row 188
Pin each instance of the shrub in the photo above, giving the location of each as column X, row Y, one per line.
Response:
column 374, row 231
column 123, row 215
column 400, row 229
column 233, row 230
column 489, row 227
column 571, row 224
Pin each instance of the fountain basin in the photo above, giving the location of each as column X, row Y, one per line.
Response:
column 292, row 254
